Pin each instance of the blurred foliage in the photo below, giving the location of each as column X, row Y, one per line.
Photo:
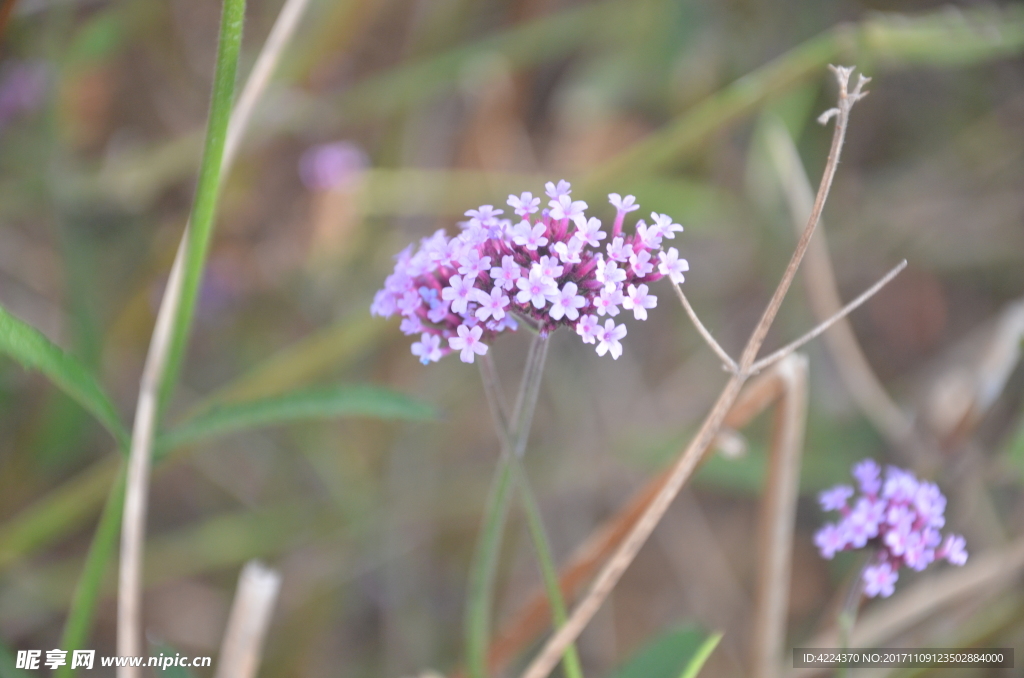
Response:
column 667, row 656
column 453, row 104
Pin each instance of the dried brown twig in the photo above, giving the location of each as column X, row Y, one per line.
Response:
column 691, row 457
column 133, row 534
column 534, row 617
column 242, row 645
column 778, row 515
column 823, row 296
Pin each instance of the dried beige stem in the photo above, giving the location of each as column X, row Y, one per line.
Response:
column 778, row 513
column 823, row 294
column 133, row 532
column 266, row 63
column 242, row 646
column 727, row 361
column 684, row 467
column 757, row 395
column 829, row 322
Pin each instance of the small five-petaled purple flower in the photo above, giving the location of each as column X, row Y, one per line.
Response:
column 899, row 516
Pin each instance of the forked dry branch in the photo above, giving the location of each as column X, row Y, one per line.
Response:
column 535, row 616
column 691, row 457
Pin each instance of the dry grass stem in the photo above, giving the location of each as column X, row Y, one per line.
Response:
column 133, row 533
column 251, row 611
column 688, row 461
column 133, row 522
column 778, row 514
column 266, row 63
column 823, row 326
column 727, row 361
column 534, row 617
column 823, row 295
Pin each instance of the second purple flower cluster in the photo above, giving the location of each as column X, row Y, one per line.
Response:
column 899, row 515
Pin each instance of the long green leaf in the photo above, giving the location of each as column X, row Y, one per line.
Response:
column 221, row 541
column 82, row 613
column 8, row 665
column 668, row 655
column 29, row 347
column 204, row 207
column 701, row 656
column 933, row 38
column 57, row 513
column 340, row 401
column 301, row 362
column 483, row 570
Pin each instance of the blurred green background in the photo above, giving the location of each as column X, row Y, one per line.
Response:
column 387, row 120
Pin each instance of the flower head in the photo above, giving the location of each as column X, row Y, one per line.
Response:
column 899, row 518
column 552, row 268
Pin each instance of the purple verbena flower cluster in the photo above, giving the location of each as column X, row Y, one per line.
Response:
column 548, row 267
column 900, row 516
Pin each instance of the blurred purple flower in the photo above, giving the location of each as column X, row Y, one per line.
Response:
column 900, row 518
column 334, row 165
column 22, row 89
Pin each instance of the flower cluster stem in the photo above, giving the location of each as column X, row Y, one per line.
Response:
column 851, row 607
column 513, row 435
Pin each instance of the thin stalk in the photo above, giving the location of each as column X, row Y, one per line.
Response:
column 778, row 514
column 695, row 452
column 242, row 646
column 483, row 570
column 548, row 568
column 770, row 360
column 513, row 436
column 727, row 361
column 170, row 335
column 204, row 207
column 851, row 606
column 87, row 592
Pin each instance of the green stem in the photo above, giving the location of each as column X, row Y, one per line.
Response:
column 87, row 592
column 513, row 436
column 208, row 185
column 548, row 569
column 851, row 606
column 80, row 618
column 483, row 570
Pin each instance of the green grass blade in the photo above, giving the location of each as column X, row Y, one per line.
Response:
column 668, row 655
column 691, row 129
column 204, row 207
column 936, row 38
column 529, row 44
column 8, row 664
column 340, row 401
column 56, row 514
column 82, row 613
column 548, row 568
column 701, row 656
column 301, row 362
column 482, row 571
column 29, row 347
